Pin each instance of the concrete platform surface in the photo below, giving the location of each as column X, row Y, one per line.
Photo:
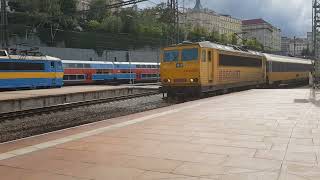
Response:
column 251, row 135
column 9, row 95
column 14, row 101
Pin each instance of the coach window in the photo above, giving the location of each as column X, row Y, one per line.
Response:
column 80, row 77
column 79, row 65
column 87, row 65
column 204, row 53
column 72, row 77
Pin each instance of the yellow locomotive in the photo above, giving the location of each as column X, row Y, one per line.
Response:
column 197, row 68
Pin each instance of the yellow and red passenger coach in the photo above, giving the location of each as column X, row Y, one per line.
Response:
column 196, row 68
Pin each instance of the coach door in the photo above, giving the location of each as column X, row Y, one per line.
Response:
column 210, row 66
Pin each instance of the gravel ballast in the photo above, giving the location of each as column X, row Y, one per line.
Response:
column 39, row 124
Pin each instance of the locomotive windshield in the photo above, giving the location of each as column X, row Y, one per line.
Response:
column 3, row 53
column 171, row 56
column 190, row 54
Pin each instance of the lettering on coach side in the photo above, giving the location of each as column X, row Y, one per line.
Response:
column 190, row 70
column 229, row 75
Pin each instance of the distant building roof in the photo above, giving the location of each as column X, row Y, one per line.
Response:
column 254, row 21
column 257, row 21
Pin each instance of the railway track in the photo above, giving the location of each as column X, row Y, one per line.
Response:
column 62, row 107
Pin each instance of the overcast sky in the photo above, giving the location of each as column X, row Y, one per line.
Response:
column 293, row 17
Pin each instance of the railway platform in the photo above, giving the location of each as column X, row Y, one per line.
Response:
column 14, row 101
column 251, row 135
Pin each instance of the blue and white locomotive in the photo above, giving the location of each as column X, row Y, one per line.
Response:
column 30, row 72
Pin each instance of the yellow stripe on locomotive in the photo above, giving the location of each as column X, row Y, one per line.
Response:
column 24, row 75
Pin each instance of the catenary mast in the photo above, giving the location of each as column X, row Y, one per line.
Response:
column 174, row 29
column 316, row 42
column 4, row 25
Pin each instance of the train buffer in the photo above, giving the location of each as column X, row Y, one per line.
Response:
column 255, row 134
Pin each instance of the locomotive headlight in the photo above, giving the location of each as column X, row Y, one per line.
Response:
column 166, row 80
column 194, row 80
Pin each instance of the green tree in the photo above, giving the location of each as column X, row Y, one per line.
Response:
column 224, row 39
column 98, row 10
column 130, row 19
column 253, row 44
column 112, row 24
column 233, row 39
column 68, row 7
column 214, row 36
column 46, row 13
column 198, row 33
column 93, row 25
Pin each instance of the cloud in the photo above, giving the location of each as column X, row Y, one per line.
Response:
column 293, row 17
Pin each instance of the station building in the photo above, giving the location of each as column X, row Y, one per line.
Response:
column 267, row 34
column 84, row 5
column 210, row 20
column 297, row 46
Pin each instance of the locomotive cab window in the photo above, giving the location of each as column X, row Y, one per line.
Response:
column 171, row 56
column 190, row 54
column 3, row 53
